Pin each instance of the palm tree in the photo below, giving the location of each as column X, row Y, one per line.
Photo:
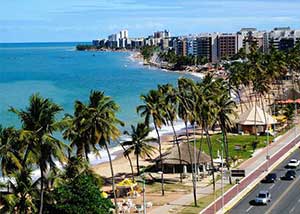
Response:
column 38, row 124
column 207, row 112
column 170, row 98
column 186, row 106
column 139, row 143
column 21, row 198
column 225, row 106
column 126, row 155
column 77, row 133
column 101, row 122
column 152, row 109
column 235, row 79
column 10, row 150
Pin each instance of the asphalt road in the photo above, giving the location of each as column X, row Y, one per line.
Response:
column 285, row 194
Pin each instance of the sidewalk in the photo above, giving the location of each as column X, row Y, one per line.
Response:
column 203, row 189
column 278, row 151
column 283, row 144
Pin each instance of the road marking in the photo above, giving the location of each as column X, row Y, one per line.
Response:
column 282, row 195
column 249, row 209
column 292, row 210
column 272, row 186
column 298, row 200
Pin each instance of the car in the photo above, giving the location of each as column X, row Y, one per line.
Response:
column 263, row 197
column 290, row 175
column 270, row 178
column 294, row 163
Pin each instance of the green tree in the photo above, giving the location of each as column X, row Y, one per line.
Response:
column 225, row 109
column 170, row 102
column 80, row 195
column 152, row 109
column 23, row 194
column 77, row 133
column 38, row 124
column 186, row 106
column 102, row 124
column 139, row 143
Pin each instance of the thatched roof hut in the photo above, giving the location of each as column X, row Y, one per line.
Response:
column 171, row 161
column 255, row 117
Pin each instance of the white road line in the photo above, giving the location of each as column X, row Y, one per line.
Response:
column 272, row 186
column 292, row 210
column 249, row 209
column 299, row 200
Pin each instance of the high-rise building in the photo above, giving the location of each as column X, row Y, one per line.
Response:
column 283, row 38
column 228, row 45
column 162, row 34
column 251, row 37
column 124, row 34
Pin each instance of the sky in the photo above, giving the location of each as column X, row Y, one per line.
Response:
column 84, row 20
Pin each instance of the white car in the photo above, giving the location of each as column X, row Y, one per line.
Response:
column 263, row 197
column 293, row 163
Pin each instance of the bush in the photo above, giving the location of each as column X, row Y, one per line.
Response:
column 80, row 195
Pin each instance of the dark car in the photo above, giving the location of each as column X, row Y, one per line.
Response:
column 270, row 178
column 290, row 175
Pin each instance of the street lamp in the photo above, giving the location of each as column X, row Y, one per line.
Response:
column 162, row 181
column 142, row 176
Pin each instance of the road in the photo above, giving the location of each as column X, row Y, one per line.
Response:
column 285, row 194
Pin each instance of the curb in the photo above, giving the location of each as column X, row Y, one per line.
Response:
column 245, row 191
column 250, row 186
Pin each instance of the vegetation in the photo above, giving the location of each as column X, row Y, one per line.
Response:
column 79, row 195
column 94, row 125
column 148, row 51
column 87, row 47
column 180, row 61
column 139, row 143
column 239, row 145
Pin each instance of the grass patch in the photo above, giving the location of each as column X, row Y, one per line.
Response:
column 203, row 202
column 245, row 141
column 174, row 187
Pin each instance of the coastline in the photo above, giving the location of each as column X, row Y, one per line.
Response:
column 165, row 132
column 136, row 56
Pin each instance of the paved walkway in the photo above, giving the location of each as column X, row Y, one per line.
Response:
column 249, row 166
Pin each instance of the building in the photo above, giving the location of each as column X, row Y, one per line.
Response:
column 171, row 161
column 162, row 34
column 251, row 37
column 228, row 45
column 283, row 38
column 124, row 34
column 137, row 43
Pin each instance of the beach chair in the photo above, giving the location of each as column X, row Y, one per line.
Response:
column 139, row 208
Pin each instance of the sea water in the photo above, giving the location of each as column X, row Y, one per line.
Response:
column 59, row 72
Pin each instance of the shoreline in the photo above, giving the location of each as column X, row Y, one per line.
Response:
column 136, row 56
column 165, row 132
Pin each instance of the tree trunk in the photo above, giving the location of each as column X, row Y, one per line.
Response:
column 240, row 99
column 226, row 152
column 42, row 192
column 112, row 176
column 137, row 164
column 200, row 148
column 211, row 156
column 130, row 163
column 178, row 148
column 161, row 160
column 255, row 112
column 191, row 161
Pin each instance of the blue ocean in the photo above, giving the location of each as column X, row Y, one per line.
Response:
column 59, row 72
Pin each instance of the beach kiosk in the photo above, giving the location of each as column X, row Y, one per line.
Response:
column 125, row 187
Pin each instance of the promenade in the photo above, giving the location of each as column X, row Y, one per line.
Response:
column 254, row 167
